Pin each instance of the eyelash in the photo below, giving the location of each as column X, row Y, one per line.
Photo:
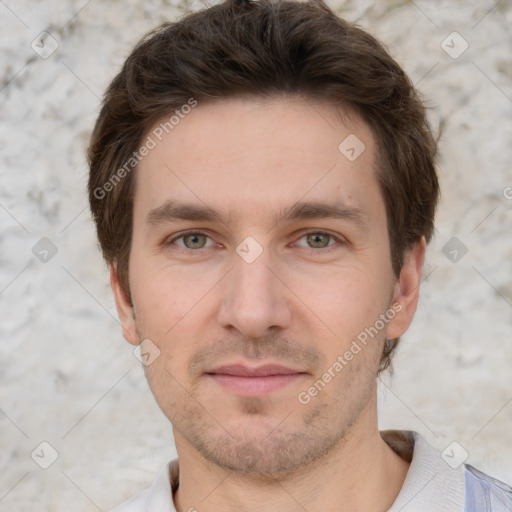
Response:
column 324, row 250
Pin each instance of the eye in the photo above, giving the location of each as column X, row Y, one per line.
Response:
column 317, row 241
column 192, row 240
column 320, row 240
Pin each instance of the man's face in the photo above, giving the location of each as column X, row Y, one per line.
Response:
column 260, row 288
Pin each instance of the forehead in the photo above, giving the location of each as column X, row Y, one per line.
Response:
column 253, row 158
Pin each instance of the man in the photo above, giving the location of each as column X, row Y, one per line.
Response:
column 262, row 178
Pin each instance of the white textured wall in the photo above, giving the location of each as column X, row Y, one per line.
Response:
column 67, row 377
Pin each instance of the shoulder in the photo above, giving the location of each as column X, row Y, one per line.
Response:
column 435, row 483
column 485, row 493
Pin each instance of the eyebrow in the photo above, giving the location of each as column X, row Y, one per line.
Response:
column 172, row 211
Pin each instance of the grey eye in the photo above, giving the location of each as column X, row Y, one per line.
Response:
column 318, row 240
column 194, row 240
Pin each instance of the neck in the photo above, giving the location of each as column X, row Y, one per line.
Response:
column 362, row 473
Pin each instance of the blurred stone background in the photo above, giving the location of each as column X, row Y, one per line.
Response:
column 69, row 379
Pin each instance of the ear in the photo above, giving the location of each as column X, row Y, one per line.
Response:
column 124, row 308
column 407, row 290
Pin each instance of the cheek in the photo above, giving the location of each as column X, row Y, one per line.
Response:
column 344, row 299
column 346, row 311
column 171, row 309
column 157, row 311
column 160, row 296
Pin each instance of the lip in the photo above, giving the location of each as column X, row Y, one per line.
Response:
column 266, row 370
column 257, row 381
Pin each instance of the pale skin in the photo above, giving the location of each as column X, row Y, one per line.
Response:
column 299, row 304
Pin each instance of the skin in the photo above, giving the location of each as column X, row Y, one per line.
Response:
column 203, row 305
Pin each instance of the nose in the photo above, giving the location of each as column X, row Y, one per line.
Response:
column 255, row 297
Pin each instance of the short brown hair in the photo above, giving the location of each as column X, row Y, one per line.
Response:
column 263, row 48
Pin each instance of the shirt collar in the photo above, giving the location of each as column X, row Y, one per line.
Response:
column 431, row 483
column 160, row 495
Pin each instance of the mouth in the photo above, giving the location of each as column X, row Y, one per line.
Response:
column 247, row 381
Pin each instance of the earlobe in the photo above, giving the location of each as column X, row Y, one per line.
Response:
column 124, row 308
column 407, row 289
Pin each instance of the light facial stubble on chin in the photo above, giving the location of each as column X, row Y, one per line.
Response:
column 268, row 438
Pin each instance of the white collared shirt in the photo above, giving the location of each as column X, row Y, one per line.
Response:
column 431, row 484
